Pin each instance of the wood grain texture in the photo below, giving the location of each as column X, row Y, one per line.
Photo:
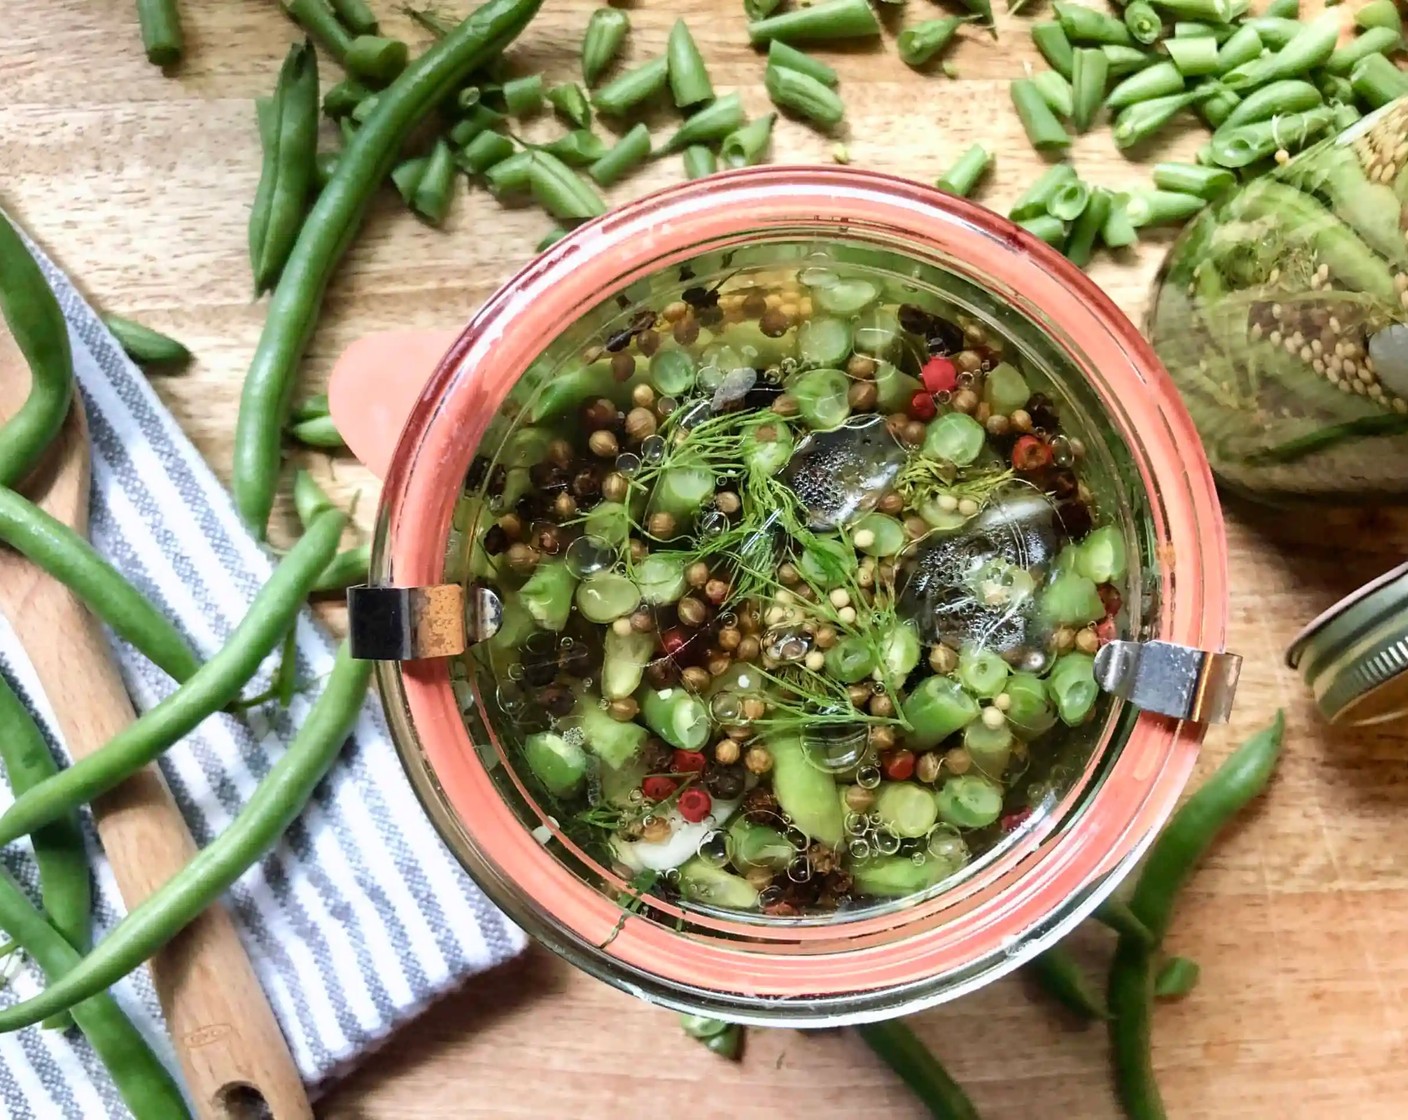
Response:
column 140, row 186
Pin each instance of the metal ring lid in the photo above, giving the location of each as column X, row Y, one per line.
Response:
column 1354, row 656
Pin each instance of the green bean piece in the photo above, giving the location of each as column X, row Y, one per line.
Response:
column 318, row 19
column 485, row 150
column 1072, row 686
column 1159, row 80
column 365, row 108
column 570, row 102
column 347, row 569
column 935, row 709
column 699, row 161
column 37, row 324
column 435, row 190
column 524, row 96
column 509, row 176
column 426, row 18
column 138, row 1075
column 309, row 499
column 276, row 801
column 1218, row 105
column 606, row 31
column 1126, row 60
column 1056, row 92
column 318, row 432
column 579, row 148
column 1345, row 115
column 478, row 120
column 633, row 87
column 922, row 43
column 328, row 231
column 1212, row 11
column 1190, row 178
column 1129, row 992
column 1043, row 130
column 1114, row 913
column 469, row 97
column 162, row 39
column 1045, row 228
column 1286, row 9
column 1193, row 827
column 1089, row 75
column 1245, row 144
column 1058, row 974
column 760, row 9
column 1144, row 23
column 804, row 96
column 1176, row 978
column 69, row 558
column 1290, row 95
column 1085, row 230
column 1378, row 81
column 355, row 14
column 406, row 177
column 625, row 156
column 780, row 54
column 145, row 346
column 963, row 176
column 748, row 145
column 1244, row 46
column 1379, row 13
column 64, row 874
column 1273, row 31
column 713, row 122
column 1069, row 200
column 1034, row 202
column 1311, row 47
column 900, row 1049
column 1051, row 41
column 688, row 76
column 376, row 58
column 1195, row 58
column 830, row 19
column 1086, row 25
column 212, row 686
column 348, row 129
column 287, row 176
column 1334, row 87
column 981, row 10
column 344, row 97
column 1144, row 118
column 560, row 191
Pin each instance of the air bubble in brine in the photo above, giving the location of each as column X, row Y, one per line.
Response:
column 797, row 838
column 859, row 849
column 800, row 870
column 628, row 463
column 588, row 555
column 711, row 523
column 835, row 747
column 887, row 842
column 868, row 777
column 714, row 849
column 1062, row 454
column 768, row 895
column 652, row 449
column 725, row 706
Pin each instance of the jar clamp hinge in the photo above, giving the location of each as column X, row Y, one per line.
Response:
column 412, row 623
column 1170, row 679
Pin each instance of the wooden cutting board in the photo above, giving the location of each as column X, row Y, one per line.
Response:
column 140, row 185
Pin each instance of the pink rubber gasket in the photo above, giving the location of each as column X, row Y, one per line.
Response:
column 1028, row 883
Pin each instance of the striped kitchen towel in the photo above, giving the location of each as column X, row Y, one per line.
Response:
column 360, row 917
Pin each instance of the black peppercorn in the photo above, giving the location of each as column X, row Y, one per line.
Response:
column 477, row 470
column 700, row 298
column 618, row 341
column 943, row 338
column 1075, row 519
column 495, row 540
column 913, row 319
column 586, row 483
column 575, row 660
column 538, row 672
column 725, row 782
column 557, row 700
column 1061, row 483
column 1043, row 415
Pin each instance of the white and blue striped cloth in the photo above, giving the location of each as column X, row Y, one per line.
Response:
column 360, row 917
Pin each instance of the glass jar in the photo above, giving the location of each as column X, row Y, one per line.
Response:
column 528, row 375
column 1282, row 315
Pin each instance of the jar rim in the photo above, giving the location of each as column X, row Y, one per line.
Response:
column 1034, row 889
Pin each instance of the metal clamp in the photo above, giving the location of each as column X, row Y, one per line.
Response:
column 412, row 623
column 1170, row 679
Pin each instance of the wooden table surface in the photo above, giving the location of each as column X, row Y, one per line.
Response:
column 139, row 185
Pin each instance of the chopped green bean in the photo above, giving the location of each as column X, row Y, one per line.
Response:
column 1143, row 22
column 982, row 10
column 1247, row 143
column 579, row 148
column 633, row 87
column 480, row 118
column 1217, row 106
column 359, row 18
column 570, row 102
column 1378, row 81
column 1376, row 40
column 1086, row 229
column 1144, row 118
column 1290, row 95
column 1087, row 25
column 1194, row 58
column 509, row 176
column 606, row 31
column 1287, row 9
column 560, row 191
column 406, row 177
column 830, row 19
column 1190, row 178
column 344, row 97
column 804, row 96
column 524, row 95
column 922, row 43
column 1379, row 13
column 699, row 161
column 1033, row 202
column 1045, row 228
column 145, row 346
column 689, row 79
column 318, row 19
column 1051, row 41
column 1345, row 115
column 1072, row 686
column 1244, row 46
column 713, row 122
column 1069, row 200
column 963, row 176
column 1118, row 232
column 1090, row 73
column 1056, row 92
column 365, row 108
column 1273, row 31
column 1213, row 11
column 760, row 9
column 1126, row 60
column 625, row 156
column 1156, row 208
column 376, row 58
column 1159, row 80
column 780, row 54
column 1176, row 978
column 1038, row 121
column 435, row 190
column 1311, row 47
column 748, row 145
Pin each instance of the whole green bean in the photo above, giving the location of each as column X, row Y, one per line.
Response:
column 625, row 156
column 830, row 19
column 748, row 145
column 1086, row 25
column 1247, row 143
column 689, row 78
column 699, row 161
column 524, row 95
column 1143, row 22
column 560, row 191
column 1159, row 80
column 1115, row 914
column 1376, row 40
column 1244, row 46
column 1056, row 92
column 1085, row 229
column 1379, row 13
column 64, row 876
column 69, row 558
column 277, row 800
column 348, row 568
column 902, row 1051
column 963, row 176
column 318, row 19
column 1089, row 76
column 1065, row 981
column 1051, row 41
column 1043, row 130
column 309, row 499
column 355, row 14
column 922, row 43
column 287, row 177
column 1130, row 993
column 1378, row 81
column 633, row 87
column 141, row 1080
column 713, row 122
column 161, row 31
column 145, row 346
column 329, row 229
column 606, row 31
column 780, row 54
column 804, row 96
column 324, row 168
column 37, row 325
column 213, row 685
column 1142, row 119
column 1290, row 95
column 1311, row 47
